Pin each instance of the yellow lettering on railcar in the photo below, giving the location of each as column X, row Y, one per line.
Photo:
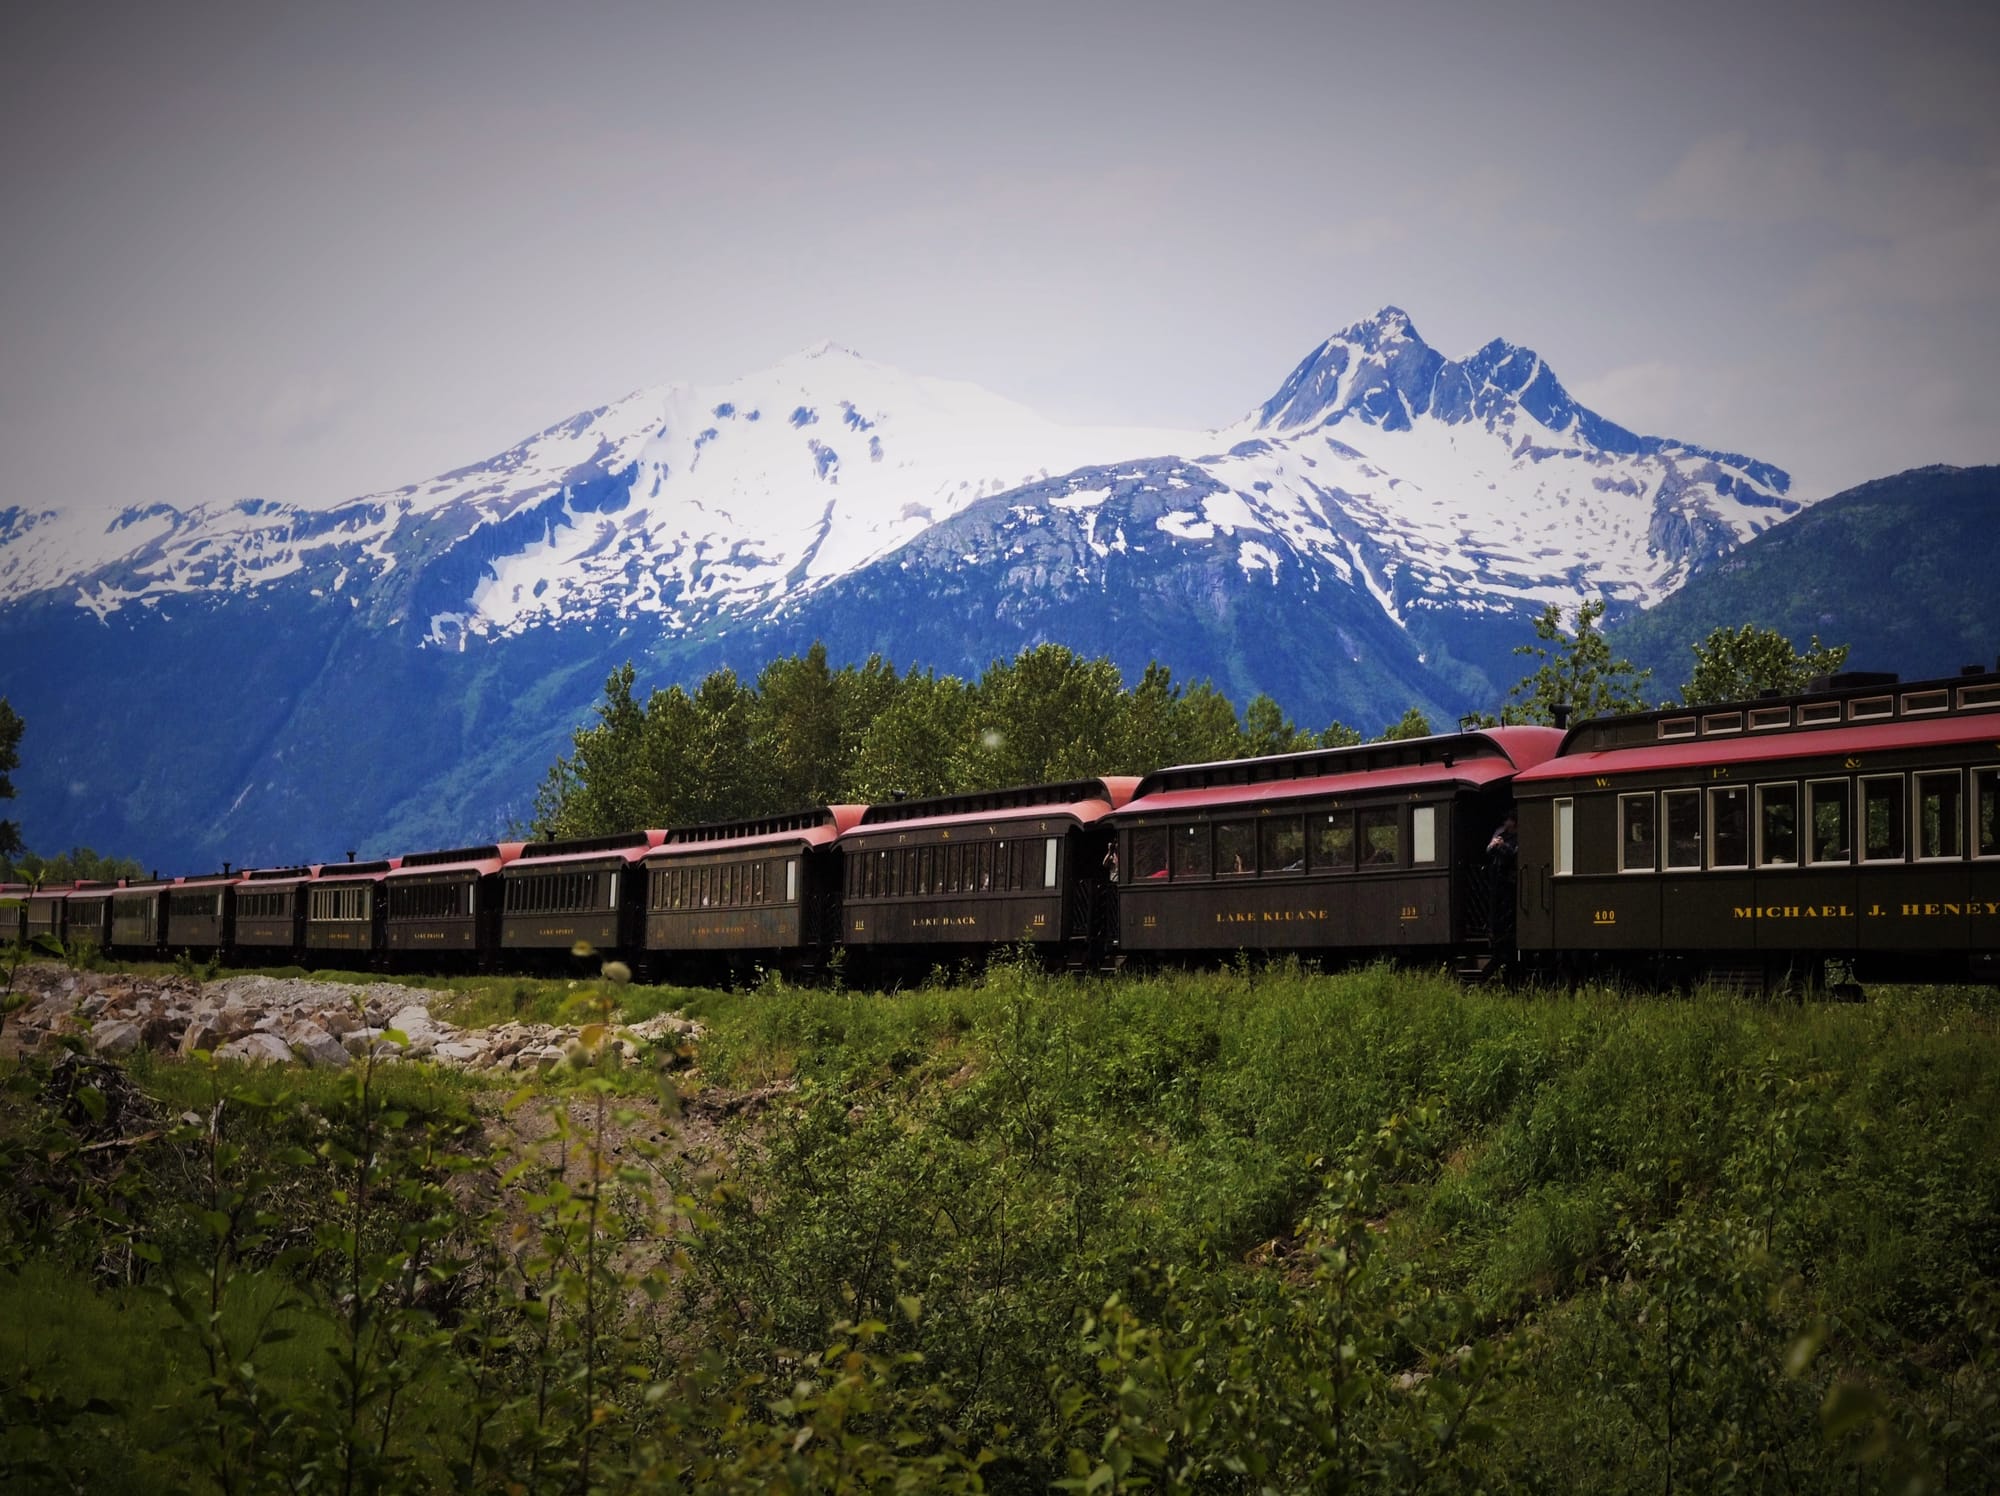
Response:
column 1604, row 916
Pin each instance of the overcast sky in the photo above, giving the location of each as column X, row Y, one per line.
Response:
column 305, row 252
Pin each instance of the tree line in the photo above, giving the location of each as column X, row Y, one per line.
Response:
column 803, row 733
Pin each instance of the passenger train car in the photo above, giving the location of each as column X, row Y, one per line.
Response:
column 1378, row 849
column 1858, row 823
column 1759, row 839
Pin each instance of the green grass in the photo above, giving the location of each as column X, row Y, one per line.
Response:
column 1765, row 1209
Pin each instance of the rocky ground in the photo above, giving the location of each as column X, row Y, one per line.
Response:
column 289, row 1020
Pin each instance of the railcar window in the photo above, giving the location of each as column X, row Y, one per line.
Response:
column 1828, row 808
column 1565, row 831
column 1919, row 702
column 1235, row 848
column 1882, row 819
column 1637, row 833
column 1767, row 717
column 1723, row 722
column 1333, row 842
column 430, row 901
column 1049, row 863
column 1817, row 712
column 1284, row 840
column 1677, row 727
column 1986, row 812
column 1729, row 827
column 1874, row 706
column 1191, row 851
column 1778, row 825
column 1683, row 808
column 1381, row 837
column 1149, row 853
column 1940, row 815
column 986, row 867
column 791, row 880
column 1423, row 834
column 1978, row 696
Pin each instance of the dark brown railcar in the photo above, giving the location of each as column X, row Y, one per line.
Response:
column 87, row 916
column 959, row 875
column 737, row 892
column 201, row 912
column 271, row 912
column 1378, row 848
column 139, row 919
column 1751, row 840
column 43, row 915
column 587, row 891
column 14, row 912
column 446, row 905
column 346, row 911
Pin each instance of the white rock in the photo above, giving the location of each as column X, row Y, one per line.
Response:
column 257, row 1049
column 115, row 1038
column 318, row 1047
column 412, row 1018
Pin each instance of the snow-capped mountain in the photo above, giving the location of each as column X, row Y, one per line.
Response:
column 1427, row 482
column 265, row 680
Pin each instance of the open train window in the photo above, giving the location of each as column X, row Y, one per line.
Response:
column 1637, row 834
column 1986, row 812
column 1872, row 706
column 1882, row 819
column 1777, row 825
column 1816, row 712
column 1767, row 717
column 1381, row 835
column 1917, row 703
column 1149, row 853
column 1677, row 727
column 1284, row 844
column 1729, row 827
column 1722, row 722
column 1423, row 834
column 1940, row 816
column 1829, row 822
column 1191, row 852
column 1333, row 841
column 1235, row 849
column 1683, row 816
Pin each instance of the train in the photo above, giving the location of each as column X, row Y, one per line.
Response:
column 1847, row 833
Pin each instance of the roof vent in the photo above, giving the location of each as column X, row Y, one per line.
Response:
column 1559, row 714
column 1971, row 669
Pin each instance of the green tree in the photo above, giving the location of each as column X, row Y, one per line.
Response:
column 1267, row 730
column 1412, row 724
column 919, row 744
column 1738, row 664
column 10, row 760
column 1574, row 668
column 1048, row 714
column 798, row 730
column 1339, row 735
column 77, row 865
column 601, row 785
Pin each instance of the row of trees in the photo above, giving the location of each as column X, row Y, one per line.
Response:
column 805, row 734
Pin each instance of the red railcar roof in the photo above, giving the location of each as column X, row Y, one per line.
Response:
column 1083, row 812
column 832, row 821
column 281, row 877
column 343, row 872
column 1823, row 742
column 1471, row 774
column 528, row 865
column 481, row 865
